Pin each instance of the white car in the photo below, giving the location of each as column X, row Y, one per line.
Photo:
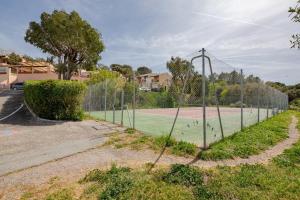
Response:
column 146, row 89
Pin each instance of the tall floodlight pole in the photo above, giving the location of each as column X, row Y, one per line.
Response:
column 203, row 98
column 242, row 100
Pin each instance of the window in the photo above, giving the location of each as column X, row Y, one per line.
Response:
column 2, row 70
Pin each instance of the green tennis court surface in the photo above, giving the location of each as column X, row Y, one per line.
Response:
column 189, row 125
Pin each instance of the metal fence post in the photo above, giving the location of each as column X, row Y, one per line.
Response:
column 90, row 100
column 242, row 100
column 122, row 107
column 203, row 99
column 258, row 104
column 105, row 99
column 268, row 102
column 133, row 101
column 114, row 109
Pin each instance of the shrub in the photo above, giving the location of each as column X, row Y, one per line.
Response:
column 55, row 99
column 183, row 175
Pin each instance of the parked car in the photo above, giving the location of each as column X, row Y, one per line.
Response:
column 146, row 89
column 17, row 86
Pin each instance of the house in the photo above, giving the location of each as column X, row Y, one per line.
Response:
column 24, row 70
column 154, row 81
column 30, row 70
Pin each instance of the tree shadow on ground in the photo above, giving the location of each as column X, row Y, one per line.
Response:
column 11, row 101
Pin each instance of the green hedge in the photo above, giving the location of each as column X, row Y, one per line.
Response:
column 55, row 99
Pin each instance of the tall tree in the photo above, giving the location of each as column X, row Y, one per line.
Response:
column 125, row 70
column 71, row 40
column 143, row 70
column 295, row 13
column 14, row 59
column 179, row 69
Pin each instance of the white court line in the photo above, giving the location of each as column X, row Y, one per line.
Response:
column 3, row 118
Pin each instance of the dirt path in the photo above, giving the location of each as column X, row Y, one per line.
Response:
column 72, row 168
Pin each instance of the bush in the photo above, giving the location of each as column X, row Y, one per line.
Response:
column 55, row 99
column 183, row 175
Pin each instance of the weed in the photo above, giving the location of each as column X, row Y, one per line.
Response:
column 183, row 175
column 202, row 193
column 92, row 176
column 26, row 195
column 117, row 187
column 184, row 148
column 130, row 130
column 64, row 194
column 164, row 141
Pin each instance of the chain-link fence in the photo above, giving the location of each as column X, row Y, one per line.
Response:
column 200, row 100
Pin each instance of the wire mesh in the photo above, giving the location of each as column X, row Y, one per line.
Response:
column 198, row 106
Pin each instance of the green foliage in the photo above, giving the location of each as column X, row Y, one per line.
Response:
column 148, row 188
column 143, row 70
column 165, row 141
column 183, row 175
column 97, row 175
column 201, row 192
column 130, row 130
column 251, row 140
column 93, row 176
column 101, row 75
column 126, row 184
column 14, row 59
column 63, row 194
column 295, row 104
column 55, row 99
column 125, row 70
column 291, row 157
column 293, row 92
column 116, row 188
column 69, row 38
column 179, row 69
column 155, row 100
column 295, row 13
column 184, row 148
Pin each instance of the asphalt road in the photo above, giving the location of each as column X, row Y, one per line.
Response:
column 26, row 142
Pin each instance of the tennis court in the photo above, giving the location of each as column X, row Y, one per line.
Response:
column 189, row 125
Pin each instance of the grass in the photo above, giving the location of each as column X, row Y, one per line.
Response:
column 279, row 179
column 137, row 141
column 251, row 140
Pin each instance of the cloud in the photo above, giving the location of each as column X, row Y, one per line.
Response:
column 252, row 35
